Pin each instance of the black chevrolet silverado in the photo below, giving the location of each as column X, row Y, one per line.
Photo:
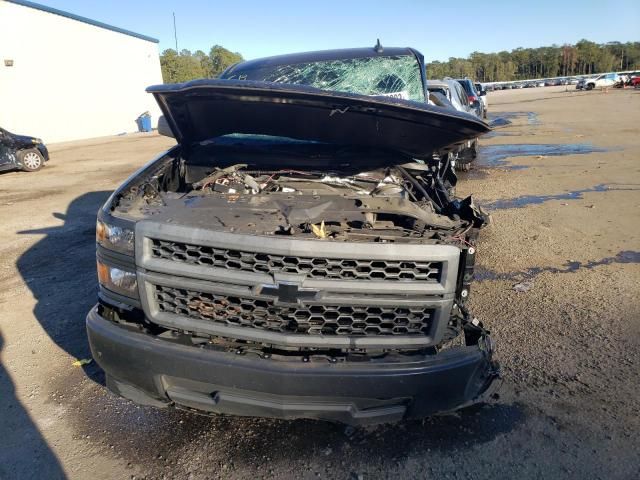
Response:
column 297, row 254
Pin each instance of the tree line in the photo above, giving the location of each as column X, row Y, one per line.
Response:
column 583, row 58
column 184, row 65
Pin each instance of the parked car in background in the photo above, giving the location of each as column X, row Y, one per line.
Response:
column 453, row 91
column 471, row 149
column 464, row 154
column 604, row 80
column 474, row 96
column 483, row 97
column 623, row 80
column 21, row 152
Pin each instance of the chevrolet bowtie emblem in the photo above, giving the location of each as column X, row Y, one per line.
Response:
column 288, row 292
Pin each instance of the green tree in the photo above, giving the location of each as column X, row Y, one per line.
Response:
column 205, row 63
column 184, row 66
column 631, row 60
column 583, row 58
column 221, row 58
column 587, row 52
column 180, row 67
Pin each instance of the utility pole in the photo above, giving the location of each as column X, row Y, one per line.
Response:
column 175, row 32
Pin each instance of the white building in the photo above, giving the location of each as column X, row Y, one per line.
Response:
column 65, row 77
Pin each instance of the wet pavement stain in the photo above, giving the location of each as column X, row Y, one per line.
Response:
column 504, row 119
column 483, row 274
column 496, row 155
column 499, row 122
column 500, row 133
column 526, row 200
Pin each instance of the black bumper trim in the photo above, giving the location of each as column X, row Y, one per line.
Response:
column 153, row 371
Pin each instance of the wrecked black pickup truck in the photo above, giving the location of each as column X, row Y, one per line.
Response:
column 295, row 255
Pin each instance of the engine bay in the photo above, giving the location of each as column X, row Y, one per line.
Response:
column 306, row 190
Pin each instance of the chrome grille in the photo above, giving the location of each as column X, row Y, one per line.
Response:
column 312, row 267
column 309, row 319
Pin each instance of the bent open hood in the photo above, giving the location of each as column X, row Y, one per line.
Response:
column 204, row 109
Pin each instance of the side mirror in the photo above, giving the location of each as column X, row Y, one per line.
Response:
column 164, row 128
column 483, row 93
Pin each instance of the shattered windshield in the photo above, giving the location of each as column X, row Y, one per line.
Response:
column 395, row 76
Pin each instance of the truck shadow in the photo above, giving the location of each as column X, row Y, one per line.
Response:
column 60, row 272
column 24, row 452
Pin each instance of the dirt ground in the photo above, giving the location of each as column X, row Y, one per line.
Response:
column 566, row 230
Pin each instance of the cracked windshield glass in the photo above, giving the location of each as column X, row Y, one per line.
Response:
column 389, row 76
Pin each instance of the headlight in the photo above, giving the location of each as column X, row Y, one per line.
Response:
column 114, row 237
column 118, row 280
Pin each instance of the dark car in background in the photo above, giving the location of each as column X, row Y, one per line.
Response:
column 478, row 107
column 21, row 152
column 474, row 97
column 462, row 156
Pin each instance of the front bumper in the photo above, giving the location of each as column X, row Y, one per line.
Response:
column 152, row 371
column 43, row 150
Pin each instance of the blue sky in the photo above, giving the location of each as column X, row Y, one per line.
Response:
column 439, row 30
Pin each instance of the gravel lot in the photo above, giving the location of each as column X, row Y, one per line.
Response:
column 566, row 230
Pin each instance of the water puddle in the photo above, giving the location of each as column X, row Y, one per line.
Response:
column 504, row 119
column 496, row 155
column 499, row 122
column 500, row 133
column 482, row 274
column 526, row 200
